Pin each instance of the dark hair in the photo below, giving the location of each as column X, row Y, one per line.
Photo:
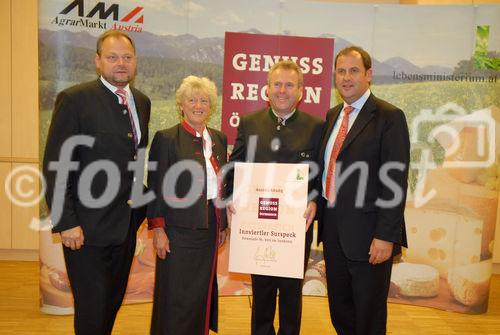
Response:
column 367, row 60
column 287, row 65
column 112, row 33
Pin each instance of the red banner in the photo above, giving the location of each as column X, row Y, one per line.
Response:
column 247, row 60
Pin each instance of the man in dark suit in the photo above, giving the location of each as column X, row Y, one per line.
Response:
column 365, row 156
column 284, row 135
column 97, row 128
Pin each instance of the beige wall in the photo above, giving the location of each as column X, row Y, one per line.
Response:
column 18, row 117
column 5, row 81
column 19, row 113
column 448, row 2
column 417, row 2
column 24, row 48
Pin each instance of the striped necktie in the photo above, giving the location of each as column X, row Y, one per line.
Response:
column 124, row 101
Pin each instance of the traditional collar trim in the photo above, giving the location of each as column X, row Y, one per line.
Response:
column 289, row 118
column 189, row 129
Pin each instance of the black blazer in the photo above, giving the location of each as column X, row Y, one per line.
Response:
column 379, row 135
column 298, row 140
column 178, row 146
column 92, row 109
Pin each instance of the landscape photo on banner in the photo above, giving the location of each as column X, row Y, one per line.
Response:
column 439, row 64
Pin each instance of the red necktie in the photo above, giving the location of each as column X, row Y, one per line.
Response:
column 339, row 140
column 123, row 96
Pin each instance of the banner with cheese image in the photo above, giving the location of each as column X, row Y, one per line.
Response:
column 416, row 66
column 448, row 263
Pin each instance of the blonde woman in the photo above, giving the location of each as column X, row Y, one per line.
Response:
column 186, row 224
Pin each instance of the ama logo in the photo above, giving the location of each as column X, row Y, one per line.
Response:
column 99, row 17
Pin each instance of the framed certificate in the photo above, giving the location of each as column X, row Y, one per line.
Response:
column 268, row 228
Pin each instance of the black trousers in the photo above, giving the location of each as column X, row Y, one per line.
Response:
column 357, row 290
column 98, row 277
column 264, row 293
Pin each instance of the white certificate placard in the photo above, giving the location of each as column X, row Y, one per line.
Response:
column 268, row 229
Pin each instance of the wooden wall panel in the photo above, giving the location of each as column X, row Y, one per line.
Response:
column 415, row 2
column 24, row 237
column 25, row 81
column 5, row 81
column 496, row 248
column 375, row 2
column 5, row 209
column 448, row 2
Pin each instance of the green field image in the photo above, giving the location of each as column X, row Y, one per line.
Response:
column 412, row 98
column 163, row 115
column 482, row 57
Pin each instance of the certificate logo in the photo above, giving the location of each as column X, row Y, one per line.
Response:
column 299, row 176
column 268, row 208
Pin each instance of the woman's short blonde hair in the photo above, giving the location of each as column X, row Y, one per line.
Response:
column 192, row 85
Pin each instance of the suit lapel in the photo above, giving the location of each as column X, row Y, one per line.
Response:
column 110, row 103
column 109, row 99
column 364, row 116
column 329, row 127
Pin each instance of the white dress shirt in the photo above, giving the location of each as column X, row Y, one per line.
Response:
column 357, row 106
column 131, row 105
column 211, row 175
